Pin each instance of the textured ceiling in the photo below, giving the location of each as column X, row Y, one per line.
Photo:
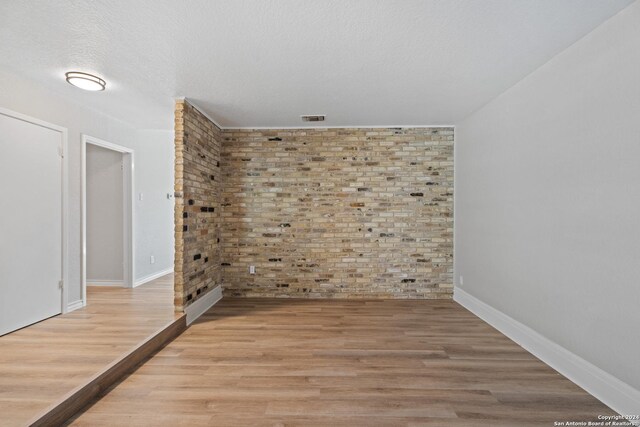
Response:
column 264, row 63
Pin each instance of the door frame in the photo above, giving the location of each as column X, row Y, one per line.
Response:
column 128, row 210
column 64, row 182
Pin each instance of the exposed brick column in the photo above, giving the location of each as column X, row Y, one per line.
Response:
column 197, row 217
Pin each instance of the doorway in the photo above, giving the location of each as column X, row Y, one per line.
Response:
column 107, row 214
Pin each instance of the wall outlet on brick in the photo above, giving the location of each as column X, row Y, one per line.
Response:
column 252, row 269
column 152, row 260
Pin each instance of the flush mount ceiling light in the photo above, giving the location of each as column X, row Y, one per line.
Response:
column 85, row 81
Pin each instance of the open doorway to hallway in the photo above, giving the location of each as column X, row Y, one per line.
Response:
column 107, row 211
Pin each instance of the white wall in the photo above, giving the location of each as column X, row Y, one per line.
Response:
column 24, row 96
column 105, row 216
column 547, row 199
column 154, row 179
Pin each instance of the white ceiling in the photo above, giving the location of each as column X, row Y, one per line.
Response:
column 264, row 63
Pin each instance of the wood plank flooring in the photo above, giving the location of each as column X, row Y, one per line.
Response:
column 46, row 362
column 341, row 363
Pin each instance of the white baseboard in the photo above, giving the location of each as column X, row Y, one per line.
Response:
column 75, row 305
column 611, row 391
column 91, row 282
column 203, row 304
column 153, row 276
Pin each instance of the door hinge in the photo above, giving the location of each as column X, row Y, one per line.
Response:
column 60, row 283
column 60, row 153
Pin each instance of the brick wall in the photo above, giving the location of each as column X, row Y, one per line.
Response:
column 197, row 213
column 338, row 213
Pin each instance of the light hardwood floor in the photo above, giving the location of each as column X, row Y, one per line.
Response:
column 342, row 363
column 43, row 363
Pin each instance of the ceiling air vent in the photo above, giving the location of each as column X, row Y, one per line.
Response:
column 315, row 118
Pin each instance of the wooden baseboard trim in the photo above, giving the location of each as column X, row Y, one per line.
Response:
column 75, row 305
column 203, row 304
column 611, row 391
column 117, row 283
column 74, row 401
column 146, row 279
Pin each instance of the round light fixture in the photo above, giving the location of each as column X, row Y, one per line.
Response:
column 85, row 81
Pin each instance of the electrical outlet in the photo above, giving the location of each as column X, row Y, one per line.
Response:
column 152, row 260
column 252, row 269
column 461, row 281
column 140, row 196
